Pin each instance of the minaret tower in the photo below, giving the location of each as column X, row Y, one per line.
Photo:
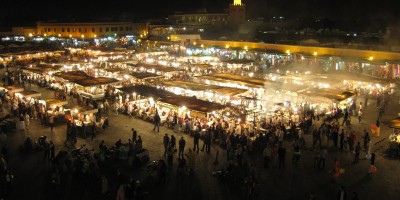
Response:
column 237, row 13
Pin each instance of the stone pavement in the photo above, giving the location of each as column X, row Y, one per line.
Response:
column 32, row 172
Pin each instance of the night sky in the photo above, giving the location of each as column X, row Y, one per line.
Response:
column 29, row 11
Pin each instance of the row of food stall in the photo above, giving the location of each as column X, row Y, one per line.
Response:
column 283, row 95
column 166, row 103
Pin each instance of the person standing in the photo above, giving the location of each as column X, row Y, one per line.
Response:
column 173, row 142
column 357, row 153
column 207, row 141
column 106, row 107
column 27, row 117
column 166, row 143
column 366, row 139
column 196, row 139
column 52, row 150
column 134, row 135
column 182, row 144
column 372, row 166
column 281, row 156
column 366, row 98
column 93, row 130
column 373, row 159
column 301, row 140
column 359, row 115
column 378, row 129
column 116, row 107
column 51, row 122
column 345, row 117
column 22, row 122
column 157, row 121
column 46, row 147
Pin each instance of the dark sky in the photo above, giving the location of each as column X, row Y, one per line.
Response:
column 29, row 11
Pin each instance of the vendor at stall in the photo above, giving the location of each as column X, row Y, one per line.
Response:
column 83, row 118
column 53, row 108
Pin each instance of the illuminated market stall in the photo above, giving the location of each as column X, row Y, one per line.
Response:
column 29, row 97
column 394, row 138
column 85, row 85
column 212, row 93
column 42, row 73
column 327, row 101
column 255, row 86
column 144, row 77
column 147, row 100
column 395, row 125
column 54, row 108
column 242, row 64
column 83, row 118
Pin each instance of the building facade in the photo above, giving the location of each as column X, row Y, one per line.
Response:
column 80, row 30
column 90, row 30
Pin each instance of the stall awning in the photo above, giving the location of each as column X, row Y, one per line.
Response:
column 241, row 80
column 72, row 76
column 81, row 78
column 145, row 75
column 96, row 81
column 173, row 99
column 30, row 93
column 329, row 93
column 113, row 70
column 43, row 68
